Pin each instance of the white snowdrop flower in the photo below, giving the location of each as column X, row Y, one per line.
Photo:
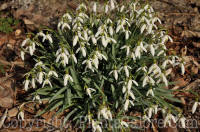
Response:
column 22, row 54
column 59, row 25
column 161, row 52
column 31, row 50
column 111, row 40
column 106, row 8
column 40, row 63
column 83, row 50
column 166, row 38
column 144, row 83
column 33, row 82
column 194, row 107
column 52, row 73
column 100, row 55
column 126, row 104
column 123, row 123
column 48, row 36
column 168, row 119
column 182, row 121
column 89, row 91
column 104, row 41
column 26, row 83
column 67, row 78
column 126, row 67
column 149, row 29
column 94, row 40
column 68, row 16
column 150, row 92
column 96, row 126
column 127, row 34
column 132, row 55
column 64, row 25
column 143, row 28
column 75, row 40
column 74, row 58
column 42, row 35
column 112, row 4
column 46, row 81
column 122, row 8
column 95, row 7
column 111, row 31
column 89, row 63
column 21, row 115
column 144, row 68
column 127, row 47
column 118, row 28
column 82, row 6
column 115, row 73
column 131, row 95
column 85, row 35
column 152, row 49
column 156, row 19
column 37, row 97
column 137, row 51
column 150, row 112
column 24, row 42
column 95, row 61
column 164, row 64
column 182, row 69
column 164, row 79
column 40, row 77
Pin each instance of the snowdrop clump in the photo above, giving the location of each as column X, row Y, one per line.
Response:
column 102, row 65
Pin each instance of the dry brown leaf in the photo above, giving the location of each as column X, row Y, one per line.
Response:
column 13, row 112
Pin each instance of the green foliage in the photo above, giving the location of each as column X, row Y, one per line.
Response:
column 103, row 65
column 7, row 23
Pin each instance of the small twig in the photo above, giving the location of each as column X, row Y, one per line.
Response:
column 11, row 63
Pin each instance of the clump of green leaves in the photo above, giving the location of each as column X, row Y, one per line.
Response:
column 103, row 64
column 7, row 23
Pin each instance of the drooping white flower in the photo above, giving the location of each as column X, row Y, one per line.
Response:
column 96, row 126
column 143, row 28
column 126, row 69
column 127, row 47
column 100, row 55
column 104, row 41
column 146, row 118
column 182, row 69
column 126, row 104
column 94, row 40
column 22, row 55
column 67, row 78
column 182, row 121
column 112, row 4
column 24, row 42
column 74, row 58
column 152, row 49
column 21, row 115
column 33, row 82
column 37, row 98
column 89, row 91
column 40, row 77
column 164, row 79
column 168, row 119
column 194, row 107
column 26, row 83
column 150, row 92
column 46, row 81
column 75, row 40
column 115, row 73
column 64, row 25
column 89, row 63
column 127, row 34
column 95, row 7
column 111, row 31
column 48, row 37
column 52, row 73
